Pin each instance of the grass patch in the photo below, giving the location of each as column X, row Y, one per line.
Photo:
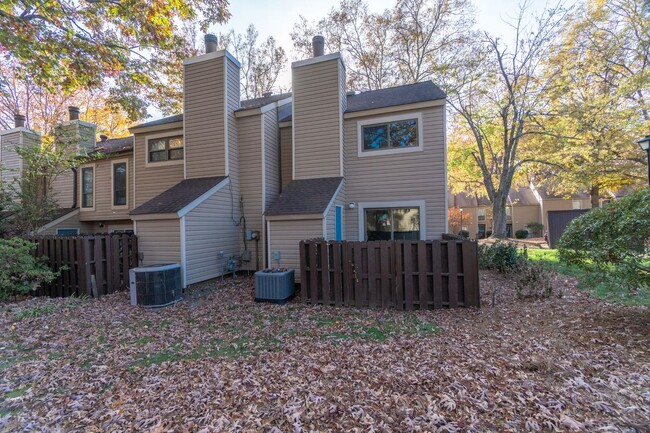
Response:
column 19, row 392
column 38, row 311
column 607, row 290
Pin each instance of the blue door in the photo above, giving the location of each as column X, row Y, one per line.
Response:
column 339, row 223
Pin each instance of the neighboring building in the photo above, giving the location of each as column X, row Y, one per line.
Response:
column 524, row 206
column 250, row 179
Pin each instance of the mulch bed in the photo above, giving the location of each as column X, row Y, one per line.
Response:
column 221, row 362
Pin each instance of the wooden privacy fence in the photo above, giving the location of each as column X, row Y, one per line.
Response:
column 96, row 264
column 405, row 275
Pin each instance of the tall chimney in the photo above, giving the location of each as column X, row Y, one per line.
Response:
column 210, row 43
column 73, row 113
column 318, row 45
column 19, row 120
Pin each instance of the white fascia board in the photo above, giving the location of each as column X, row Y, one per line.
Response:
column 210, row 56
column 58, row 220
column 329, row 205
column 209, row 193
column 319, row 59
column 154, row 216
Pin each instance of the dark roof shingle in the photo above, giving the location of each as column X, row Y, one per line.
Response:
column 260, row 102
column 400, row 95
column 114, row 145
column 178, row 196
column 305, row 197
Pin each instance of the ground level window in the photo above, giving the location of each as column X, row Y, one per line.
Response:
column 67, row 232
column 393, row 224
column 123, row 231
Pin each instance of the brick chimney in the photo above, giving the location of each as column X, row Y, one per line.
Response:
column 19, row 120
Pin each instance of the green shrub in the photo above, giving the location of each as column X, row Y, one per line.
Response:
column 500, row 256
column 536, row 229
column 20, row 271
column 488, row 233
column 464, row 234
column 521, row 234
column 613, row 242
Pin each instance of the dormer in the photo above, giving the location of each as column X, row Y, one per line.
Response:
column 76, row 133
column 319, row 100
column 211, row 96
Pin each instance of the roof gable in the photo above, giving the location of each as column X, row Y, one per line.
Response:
column 305, row 197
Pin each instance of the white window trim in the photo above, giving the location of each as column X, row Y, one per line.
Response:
column 576, row 202
column 81, row 188
column 387, row 119
column 172, row 133
column 63, row 228
column 119, row 161
column 362, row 206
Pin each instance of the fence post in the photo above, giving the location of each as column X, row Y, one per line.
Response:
column 470, row 274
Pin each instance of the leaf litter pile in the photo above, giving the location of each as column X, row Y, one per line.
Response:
column 218, row 361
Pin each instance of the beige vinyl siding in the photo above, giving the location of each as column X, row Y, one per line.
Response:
column 522, row 215
column 330, row 218
column 285, row 236
column 250, row 152
column 151, row 180
column 159, row 241
column 272, row 156
column 71, row 222
column 11, row 162
column 286, row 158
column 103, row 191
column 209, row 229
column 316, row 120
column 551, row 204
column 400, row 177
column 204, row 118
column 63, row 189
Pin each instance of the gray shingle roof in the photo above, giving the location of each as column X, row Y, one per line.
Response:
column 260, row 102
column 163, row 121
column 178, row 196
column 400, row 95
column 382, row 98
column 305, row 197
column 114, row 145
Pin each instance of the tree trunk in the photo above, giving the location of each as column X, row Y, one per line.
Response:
column 595, row 196
column 499, row 216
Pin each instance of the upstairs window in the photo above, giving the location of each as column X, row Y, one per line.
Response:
column 577, row 204
column 119, row 183
column 390, row 135
column 87, row 187
column 481, row 213
column 165, row 149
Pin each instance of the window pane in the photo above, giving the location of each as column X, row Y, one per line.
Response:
column 156, row 145
column 175, row 142
column 119, row 184
column 375, row 137
column 176, row 153
column 160, row 155
column 87, row 187
column 378, row 224
column 404, row 133
column 406, row 224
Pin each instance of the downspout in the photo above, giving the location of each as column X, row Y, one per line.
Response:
column 75, row 187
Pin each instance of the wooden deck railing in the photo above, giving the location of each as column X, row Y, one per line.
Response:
column 95, row 264
column 390, row 274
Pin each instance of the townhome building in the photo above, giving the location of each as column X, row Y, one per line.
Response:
column 248, row 180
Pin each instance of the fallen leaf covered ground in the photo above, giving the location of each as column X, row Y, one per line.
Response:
column 218, row 361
